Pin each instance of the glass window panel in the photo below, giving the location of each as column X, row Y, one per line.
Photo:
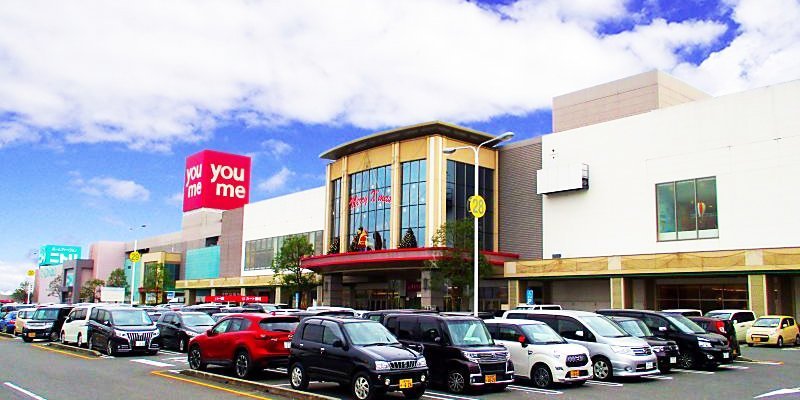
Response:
column 422, row 215
column 413, row 193
column 414, row 167
column 422, row 193
column 707, row 203
column 413, row 216
column 423, row 172
column 685, row 205
column 451, row 171
column 665, row 203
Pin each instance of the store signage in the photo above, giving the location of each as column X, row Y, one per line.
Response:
column 54, row 254
column 112, row 294
column 372, row 197
column 477, row 206
column 135, row 256
column 529, row 296
column 238, row 299
column 213, row 179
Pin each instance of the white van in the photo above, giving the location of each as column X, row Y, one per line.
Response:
column 523, row 306
column 74, row 328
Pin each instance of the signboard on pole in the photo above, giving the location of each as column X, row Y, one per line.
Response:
column 529, row 296
column 237, row 299
column 135, row 256
column 477, row 206
column 112, row 294
column 170, row 295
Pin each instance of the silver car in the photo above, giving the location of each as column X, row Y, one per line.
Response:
column 614, row 352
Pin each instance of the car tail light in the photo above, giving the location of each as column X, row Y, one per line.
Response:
column 720, row 326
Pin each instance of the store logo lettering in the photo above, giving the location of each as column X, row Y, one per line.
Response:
column 228, row 173
column 194, row 173
column 373, row 197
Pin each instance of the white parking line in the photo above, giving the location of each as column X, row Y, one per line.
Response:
column 169, row 352
column 276, row 370
column 151, row 362
column 533, row 390
column 691, row 371
column 599, row 383
column 176, row 358
column 23, row 391
column 449, row 396
column 791, row 349
column 658, row 377
column 760, row 362
column 733, row 367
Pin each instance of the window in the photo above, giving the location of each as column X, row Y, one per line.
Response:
column 336, row 217
column 687, row 209
column 460, row 186
column 212, row 241
column 259, row 253
column 313, row 333
column 391, row 325
column 331, row 333
column 235, row 326
column 429, row 329
column 222, row 326
column 405, row 330
column 369, row 203
column 508, row 333
column 569, row 328
column 412, row 201
column 743, row 317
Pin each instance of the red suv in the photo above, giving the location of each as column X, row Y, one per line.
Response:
column 244, row 342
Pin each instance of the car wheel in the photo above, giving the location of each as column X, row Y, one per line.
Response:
column 79, row 341
column 686, row 360
column 413, row 394
column 90, row 342
column 111, row 348
column 196, row 359
column 63, row 337
column 362, row 388
column 242, row 365
column 797, row 340
column 602, row 369
column 298, row 378
column 53, row 336
column 26, row 339
column 749, row 345
column 780, row 341
column 456, row 381
column 541, row 377
column 183, row 345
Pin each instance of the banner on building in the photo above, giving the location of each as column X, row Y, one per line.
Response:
column 112, row 294
column 237, row 299
column 54, row 254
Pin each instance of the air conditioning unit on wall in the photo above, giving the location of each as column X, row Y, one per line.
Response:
column 562, row 178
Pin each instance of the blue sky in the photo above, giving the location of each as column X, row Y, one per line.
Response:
column 98, row 111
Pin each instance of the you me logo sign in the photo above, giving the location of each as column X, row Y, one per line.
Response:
column 216, row 180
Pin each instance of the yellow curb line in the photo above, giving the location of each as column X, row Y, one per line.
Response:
column 163, row 375
column 63, row 352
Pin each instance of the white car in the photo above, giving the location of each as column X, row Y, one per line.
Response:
column 742, row 320
column 540, row 354
column 523, row 306
column 74, row 328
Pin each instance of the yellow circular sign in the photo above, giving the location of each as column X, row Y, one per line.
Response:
column 135, row 256
column 31, row 272
column 477, row 206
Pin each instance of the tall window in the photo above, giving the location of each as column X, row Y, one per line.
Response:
column 259, row 253
column 412, row 205
column 460, row 186
column 336, row 220
column 369, row 204
column 687, row 209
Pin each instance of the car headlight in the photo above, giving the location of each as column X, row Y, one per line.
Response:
column 508, row 355
column 421, row 362
column 622, row 350
column 470, row 356
column 382, row 366
column 772, row 332
column 120, row 333
column 192, row 333
column 704, row 343
column 658, row 349
column 47, row 325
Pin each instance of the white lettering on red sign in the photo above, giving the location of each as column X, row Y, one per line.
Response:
column 228, row 173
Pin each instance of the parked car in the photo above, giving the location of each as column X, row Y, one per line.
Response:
column 209, row 309
column 698, row 348
column 263, row 307
column 723, row 328
column 121, row 330
column 178, row 327
column 540, row 354
column 245, row 342
column 481, row 314
column 686, row 312
column 23, row 316
column 8, row 322
column 220, row 315
column 380, row 315
column 460, row 351
column 523, row 306
column 774, row 329
column 666, row 350
column 45, row 323
column 75, row 326
column 359, row 353
column 742, row 320
column 614, row 352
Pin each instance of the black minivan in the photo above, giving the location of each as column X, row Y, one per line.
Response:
column 121, row 329
column 697, row 347
column 358, row 353
column 460, row 352
column 45, row 323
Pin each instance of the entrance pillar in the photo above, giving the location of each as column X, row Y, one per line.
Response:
column 431, row 297
column 513, row 293
column 213, row 291
column 189, row 297
column 757, row 294
column 332, row 290
column 278, row 298
column 620, row 293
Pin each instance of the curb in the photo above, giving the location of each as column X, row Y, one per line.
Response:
column 8, row 335
column 277, row 390
column 74, row 349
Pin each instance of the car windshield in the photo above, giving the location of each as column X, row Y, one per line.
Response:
column 130, row 318
column 44, row 314
column 602, row 326
column 468, row 333
column 279, row 325
column 719, row 315
column 541, row 334
column 198, row 320
column 767, row 322
column 635, row 327
column 368, row 333
column 684, row 324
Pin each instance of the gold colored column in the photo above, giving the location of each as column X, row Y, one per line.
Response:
column 757, row 294
column 618, row 293
column 394, row 209
column 344, row 209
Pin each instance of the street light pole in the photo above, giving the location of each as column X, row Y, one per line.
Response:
column 475, row 245
column 133, row 265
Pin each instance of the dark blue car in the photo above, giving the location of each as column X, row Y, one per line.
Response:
column 8, row 321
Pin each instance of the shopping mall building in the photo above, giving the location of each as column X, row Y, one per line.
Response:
column 648, row 193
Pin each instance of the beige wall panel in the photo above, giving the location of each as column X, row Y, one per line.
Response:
column 376, row 157
column 415, row 149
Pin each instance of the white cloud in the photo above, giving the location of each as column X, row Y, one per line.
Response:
column 149, row 74
column 175, row 200
column 276, row 147
column 12, row 274
column 277, row 181
column 113, row 188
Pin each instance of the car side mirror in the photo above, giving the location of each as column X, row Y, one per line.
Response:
column 579, row 333
column 177, row 324
column 437, row 340
column 338, row 343
column 210, row 332
column 106, row 323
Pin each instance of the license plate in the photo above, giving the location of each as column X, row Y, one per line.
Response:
column 139, row 343
column 406, row 383
column 648, row 365
column 726, row 355
column 31, row 334
column 574, row 373
column 491, row 379
column 673, row 360
column 287, row 345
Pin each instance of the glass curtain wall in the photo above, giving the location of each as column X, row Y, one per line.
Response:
column 460, row 186
column 369, row 204
column 412, row 205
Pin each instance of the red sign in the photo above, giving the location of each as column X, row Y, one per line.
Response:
column 216, row 180
column 237, row 299
column 373, row 197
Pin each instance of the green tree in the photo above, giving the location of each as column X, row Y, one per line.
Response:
column 54, row 288
column 158, row 278
column 454, row 269
column 117, row 279
column 90, row 291
column 286, row 266
column 20, row 294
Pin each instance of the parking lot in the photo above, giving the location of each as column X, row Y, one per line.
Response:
column 773, row 373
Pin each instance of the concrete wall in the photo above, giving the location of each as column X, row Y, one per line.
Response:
column 45, row 275
column 520, row 208
column 107, row 257
column 230, row 243
column 582, row 294
column 749, row 141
